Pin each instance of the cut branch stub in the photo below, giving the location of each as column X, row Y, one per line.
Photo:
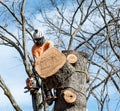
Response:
column 49, row 62
column 72, row 58
column 69, row 96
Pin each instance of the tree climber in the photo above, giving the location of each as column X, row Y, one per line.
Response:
column 40, row 46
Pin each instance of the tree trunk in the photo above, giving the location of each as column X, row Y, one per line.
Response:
column 69, row 83
column 36, row 101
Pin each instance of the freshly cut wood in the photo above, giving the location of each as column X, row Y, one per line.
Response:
column 69, row 96
column 72, row 58
column 49, row 62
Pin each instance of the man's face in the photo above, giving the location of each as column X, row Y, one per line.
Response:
column 39, row 41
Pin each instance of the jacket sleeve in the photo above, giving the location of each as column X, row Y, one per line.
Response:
column 47, row 45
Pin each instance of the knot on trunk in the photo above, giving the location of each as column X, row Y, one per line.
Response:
column 69, row 96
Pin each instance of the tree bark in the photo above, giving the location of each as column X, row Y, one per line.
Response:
column 69, row 83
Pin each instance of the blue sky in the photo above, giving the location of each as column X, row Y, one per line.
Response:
column 14, row 75
column 12, row 72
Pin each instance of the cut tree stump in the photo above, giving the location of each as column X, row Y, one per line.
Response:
column 49, row 62
column 69, row 96
column 72, row 58
column 70, row 76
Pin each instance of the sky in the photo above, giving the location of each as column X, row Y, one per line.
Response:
column 14, row 75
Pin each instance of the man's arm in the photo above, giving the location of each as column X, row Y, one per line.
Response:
column 51, row 44
column 47, row 44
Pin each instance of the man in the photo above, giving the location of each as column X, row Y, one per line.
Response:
column 40, row 46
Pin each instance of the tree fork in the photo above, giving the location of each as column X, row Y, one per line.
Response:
column 70, row 82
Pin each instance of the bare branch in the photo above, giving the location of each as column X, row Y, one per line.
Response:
column 9, row 95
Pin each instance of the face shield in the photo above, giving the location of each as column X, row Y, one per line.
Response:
column 38, row 37
column 40, row 41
